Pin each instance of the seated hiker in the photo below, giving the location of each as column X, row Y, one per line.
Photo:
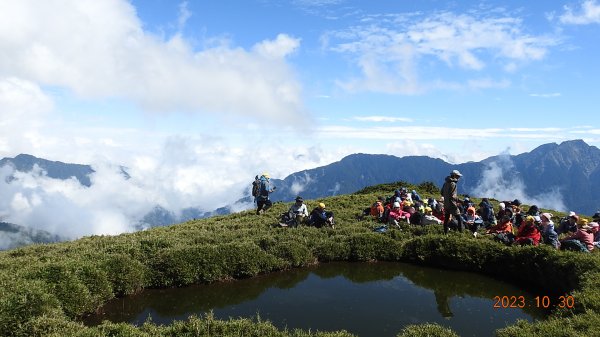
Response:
column 582, row 240
column 396, row 214
column 503, row 226
column 533, row 210
column 596, row 217
column 501, row 211
column 319, row 217
column 297, row 213
column 429, row 219
column 549, row 235
column 528, row 233
column 503, row 231
column 596, row 230
column 415, row 196
column 415, row 216
column 568, row 224
column 487, row 213
column 404, row 193
column 472, row 220
column 377, row 209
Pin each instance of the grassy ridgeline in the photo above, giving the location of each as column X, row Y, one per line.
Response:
column 44, row 288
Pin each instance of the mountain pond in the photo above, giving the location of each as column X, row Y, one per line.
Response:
column 366, row 299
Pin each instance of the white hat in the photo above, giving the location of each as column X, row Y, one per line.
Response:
column 456, row 173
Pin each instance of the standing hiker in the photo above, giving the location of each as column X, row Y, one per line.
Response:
column 264, row 189
column 450, row 194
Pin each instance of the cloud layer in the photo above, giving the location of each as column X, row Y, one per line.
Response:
column 389, row 49
column 99, row 49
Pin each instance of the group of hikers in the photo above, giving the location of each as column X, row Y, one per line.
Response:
column 511, row 224
column 298, row 212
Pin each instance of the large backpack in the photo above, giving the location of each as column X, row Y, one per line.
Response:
column 256, row 187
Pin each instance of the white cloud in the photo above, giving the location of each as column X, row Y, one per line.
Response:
column 389, row 51
column 201, row 172
column 548, row 95
column 184, row 15
column 589, row 13
column 386, row 119
column 24, row 107
column 282, row 46
column 99, row 49
column 500, row 182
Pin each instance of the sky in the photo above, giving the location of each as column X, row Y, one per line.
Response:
column 197, row 97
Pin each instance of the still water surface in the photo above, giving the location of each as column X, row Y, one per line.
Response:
column 367, row 299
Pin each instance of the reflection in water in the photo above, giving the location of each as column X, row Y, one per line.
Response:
column 368, row 299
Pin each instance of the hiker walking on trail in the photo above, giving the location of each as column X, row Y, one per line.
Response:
column 450, row 194
column 262, row 198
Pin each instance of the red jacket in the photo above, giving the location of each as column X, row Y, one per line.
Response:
column 528, row 231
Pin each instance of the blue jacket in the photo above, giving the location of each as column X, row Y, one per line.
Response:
column 265, row 189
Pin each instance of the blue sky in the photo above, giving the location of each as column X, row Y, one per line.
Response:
column 456, row 80
column 197, row 96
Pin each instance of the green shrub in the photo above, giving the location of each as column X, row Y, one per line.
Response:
column 125, row 274
column 294, row 253
column 426, row 330
column 22, row 299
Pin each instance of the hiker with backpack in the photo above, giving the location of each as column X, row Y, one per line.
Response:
column 450, row 194
column 582, row 240
column 261, row 190
column 319, row 217
column 296, row 215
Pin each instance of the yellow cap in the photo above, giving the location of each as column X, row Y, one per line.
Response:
column 266, row 175
column 321, row 205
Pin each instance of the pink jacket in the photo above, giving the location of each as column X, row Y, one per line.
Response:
column 586, row 238
column 398, row 214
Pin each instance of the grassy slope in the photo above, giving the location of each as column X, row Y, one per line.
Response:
column 43, row 288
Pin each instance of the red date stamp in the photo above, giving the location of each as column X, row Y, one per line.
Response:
column 510, row 302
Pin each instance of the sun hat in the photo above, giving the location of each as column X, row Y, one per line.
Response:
column 321, row 205
column 456, row 173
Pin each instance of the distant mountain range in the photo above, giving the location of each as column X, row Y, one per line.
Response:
column 13, row 236
column 573, row 168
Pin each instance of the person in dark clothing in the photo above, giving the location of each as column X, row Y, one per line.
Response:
column 319, row 217
column 487, row 213
column 569, row 224
column 450, row 194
